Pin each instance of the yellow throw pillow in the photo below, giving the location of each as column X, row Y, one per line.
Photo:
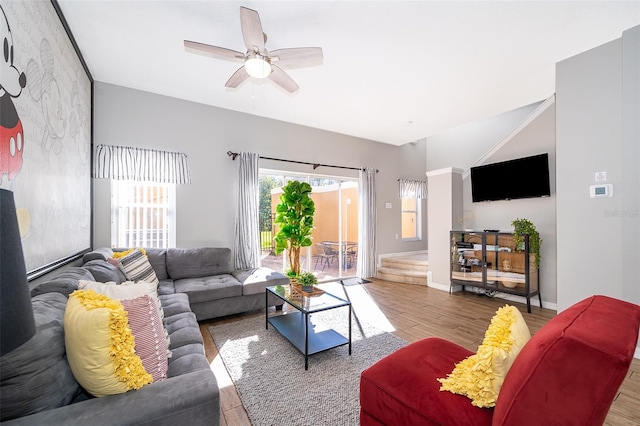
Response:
column 121, row 254
column 100, row 346
column 480, row 376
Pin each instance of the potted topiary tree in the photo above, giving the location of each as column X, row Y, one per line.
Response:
column 524, row 226
column 294, row 215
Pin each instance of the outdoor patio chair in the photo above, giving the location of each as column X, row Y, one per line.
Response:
column 323, row 255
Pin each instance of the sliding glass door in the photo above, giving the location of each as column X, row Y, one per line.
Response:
column 334, row 251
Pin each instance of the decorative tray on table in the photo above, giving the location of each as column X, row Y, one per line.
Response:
column 314, row 293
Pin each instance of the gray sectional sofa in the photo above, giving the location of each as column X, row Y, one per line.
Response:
column 36, row 383
column 203, row 274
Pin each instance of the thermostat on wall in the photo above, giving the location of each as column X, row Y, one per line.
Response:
column 601, row 190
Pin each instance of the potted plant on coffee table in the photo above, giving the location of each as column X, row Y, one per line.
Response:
column 294, row 215
column 307, row 280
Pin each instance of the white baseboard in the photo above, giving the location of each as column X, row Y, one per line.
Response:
column 438, row 286
column 637, row 354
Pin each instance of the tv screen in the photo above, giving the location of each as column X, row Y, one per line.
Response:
column 526, row 177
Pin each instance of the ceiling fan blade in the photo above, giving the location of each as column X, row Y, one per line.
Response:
column 297, row 57
column 237, row 78
column 282, row 79
column 252, row 30
column 213, row 51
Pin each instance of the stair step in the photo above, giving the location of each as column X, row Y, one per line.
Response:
column 402, row 275
column 404, row 272
column 403, row 264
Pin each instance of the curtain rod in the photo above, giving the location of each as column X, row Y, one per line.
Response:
column 233, row 156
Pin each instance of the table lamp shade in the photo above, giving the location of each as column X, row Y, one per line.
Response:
column 17, row 324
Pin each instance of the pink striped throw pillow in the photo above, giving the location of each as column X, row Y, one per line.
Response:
column 148, row 332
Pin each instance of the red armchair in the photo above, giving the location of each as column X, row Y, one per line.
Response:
column 567, row 374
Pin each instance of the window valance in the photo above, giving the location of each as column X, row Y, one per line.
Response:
column 412, row 188
column 140, row 164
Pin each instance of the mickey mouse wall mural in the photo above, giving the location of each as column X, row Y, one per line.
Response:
column 12, row 82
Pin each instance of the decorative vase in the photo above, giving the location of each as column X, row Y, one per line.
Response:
column 506, row 265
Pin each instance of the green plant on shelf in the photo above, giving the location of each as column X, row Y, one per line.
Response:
column 522, row 227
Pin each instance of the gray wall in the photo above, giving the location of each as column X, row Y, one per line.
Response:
column 537, row 137
column 480, row 137
column 597, row 130
column 206, row 207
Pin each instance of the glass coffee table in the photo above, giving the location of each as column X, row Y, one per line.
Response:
column 295, row 326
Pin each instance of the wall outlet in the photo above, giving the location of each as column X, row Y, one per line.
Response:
column 387, row 205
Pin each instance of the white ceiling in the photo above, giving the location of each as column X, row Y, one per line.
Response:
column 393, row 71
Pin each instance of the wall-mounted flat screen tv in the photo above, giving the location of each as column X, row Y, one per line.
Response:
column 526, row 177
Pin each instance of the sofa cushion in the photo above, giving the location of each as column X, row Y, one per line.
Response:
column 188, row 358
column 204, row 289
column 100, row 346
column 198, row 262
column 158, row 260
column 66, row 282
column 571, row 369
column 480, row 376
column 104, row 271
column 183, row 329
column 254, row 281
column 174, row 304
column 38, row 369
column 402, row 388
column 189, row 362
column 166, row 287
column 148, row 331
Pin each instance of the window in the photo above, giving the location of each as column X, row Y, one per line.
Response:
column 411, row 221
column 334, row 251
column 143, row 214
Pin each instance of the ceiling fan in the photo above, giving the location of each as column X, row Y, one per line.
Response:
column 258, row 61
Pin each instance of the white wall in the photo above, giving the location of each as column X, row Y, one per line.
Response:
column 445, row 206
column 206, row 207
column 462, row 146
column 597, row 130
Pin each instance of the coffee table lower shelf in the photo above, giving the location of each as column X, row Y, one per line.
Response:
column 292, row 327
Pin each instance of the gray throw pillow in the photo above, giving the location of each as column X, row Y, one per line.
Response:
column 66, row 282
column 104, row 271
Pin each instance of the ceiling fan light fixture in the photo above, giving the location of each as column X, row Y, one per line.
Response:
column 257, row 66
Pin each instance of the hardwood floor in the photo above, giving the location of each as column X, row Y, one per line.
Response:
column 414, row 312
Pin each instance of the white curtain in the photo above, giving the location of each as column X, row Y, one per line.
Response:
column 246, row 243
column 412, row 188
column 367, row 246
column 139, row 164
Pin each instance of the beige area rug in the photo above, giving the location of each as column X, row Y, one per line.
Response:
column 270, row 378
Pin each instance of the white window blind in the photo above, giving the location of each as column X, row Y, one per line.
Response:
column 143, row 214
